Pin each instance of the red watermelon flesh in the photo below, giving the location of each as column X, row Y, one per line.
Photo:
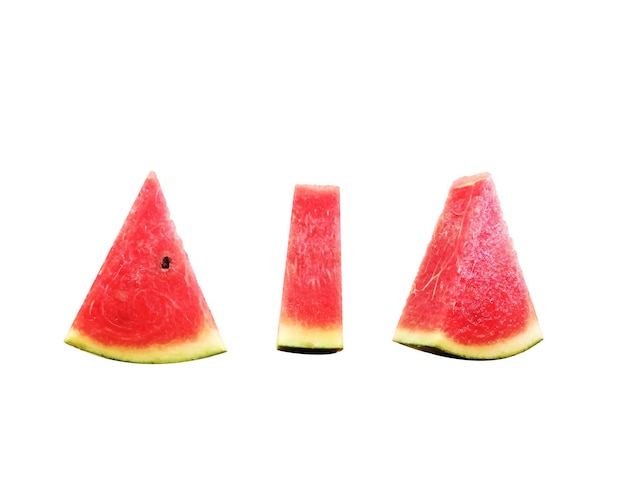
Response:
column 311, row 311
column 469, row 298
column 145, row 304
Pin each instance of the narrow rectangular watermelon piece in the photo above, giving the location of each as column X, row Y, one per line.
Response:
column 145, row 304
column 469, row 298
column 311, row 311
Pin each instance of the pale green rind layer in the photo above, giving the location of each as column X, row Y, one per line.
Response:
column 438, row 340
column 293, row 337
column 208, row 343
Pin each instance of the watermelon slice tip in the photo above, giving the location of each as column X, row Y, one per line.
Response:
column 469, row 298
column 145, row 304
column 311, row 310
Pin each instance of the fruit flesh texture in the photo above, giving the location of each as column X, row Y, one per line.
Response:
column 311, row 310
column 145, row 304
column 469, row 297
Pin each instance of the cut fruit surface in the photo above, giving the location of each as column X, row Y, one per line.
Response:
column 145, row 304
column 311, row 311
column 469, row 298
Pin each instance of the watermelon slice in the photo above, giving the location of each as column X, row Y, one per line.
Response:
column 145, row 304
column 469, row 298
column 311, row 311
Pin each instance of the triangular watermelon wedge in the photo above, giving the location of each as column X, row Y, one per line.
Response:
column 145, row 305
column 311, row 310
column 469, row 298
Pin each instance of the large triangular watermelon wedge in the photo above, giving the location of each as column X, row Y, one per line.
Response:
column 145, row 305
column 469, row 298
column 311, row 310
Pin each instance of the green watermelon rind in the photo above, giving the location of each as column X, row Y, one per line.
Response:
column 438, row 342
column 207, row 343
column 300, row 339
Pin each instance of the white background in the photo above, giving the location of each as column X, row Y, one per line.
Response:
column 232, row 103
